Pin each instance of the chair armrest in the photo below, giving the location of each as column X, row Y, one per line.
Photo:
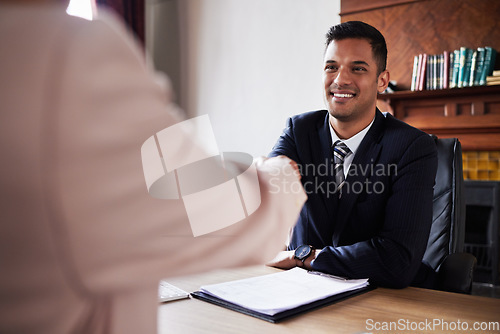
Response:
column 456, row 273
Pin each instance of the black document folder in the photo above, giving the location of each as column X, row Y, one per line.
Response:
column 283, row 314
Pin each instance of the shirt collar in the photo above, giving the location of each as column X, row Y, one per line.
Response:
column 353, row 142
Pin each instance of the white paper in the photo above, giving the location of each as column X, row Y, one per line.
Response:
column 273, row 293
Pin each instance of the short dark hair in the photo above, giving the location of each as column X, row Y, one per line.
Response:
column 361, row 30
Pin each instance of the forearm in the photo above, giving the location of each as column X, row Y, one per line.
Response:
column 383, row 262
column 286, row 144
column 287, row 260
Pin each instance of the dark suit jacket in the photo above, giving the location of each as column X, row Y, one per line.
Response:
column 380, row 226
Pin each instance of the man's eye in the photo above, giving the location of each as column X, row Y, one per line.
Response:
column 330, row 68
column 359, row 69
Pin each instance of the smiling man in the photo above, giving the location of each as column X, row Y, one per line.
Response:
column 369, row 177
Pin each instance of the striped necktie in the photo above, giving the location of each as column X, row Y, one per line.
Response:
column 340, row 151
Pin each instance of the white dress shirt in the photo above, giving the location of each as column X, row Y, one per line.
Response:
column 352, row 143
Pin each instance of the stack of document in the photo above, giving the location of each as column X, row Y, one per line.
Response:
column 275, row 296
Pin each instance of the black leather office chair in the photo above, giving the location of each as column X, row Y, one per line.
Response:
column 444, row 251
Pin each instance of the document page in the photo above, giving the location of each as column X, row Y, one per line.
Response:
column 273, row 293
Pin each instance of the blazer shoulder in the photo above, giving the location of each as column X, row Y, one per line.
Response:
column 398, row 127
column 400, row 137
column 308, row 120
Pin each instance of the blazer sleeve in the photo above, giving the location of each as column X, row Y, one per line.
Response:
column 106, row 103
column 286, row 144
column 394, row 255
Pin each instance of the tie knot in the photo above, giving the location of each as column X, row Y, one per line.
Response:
column 340, row 150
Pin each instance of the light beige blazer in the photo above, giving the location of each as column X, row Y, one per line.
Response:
column 82, row 244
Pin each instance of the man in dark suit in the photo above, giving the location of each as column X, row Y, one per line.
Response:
column 369, row 177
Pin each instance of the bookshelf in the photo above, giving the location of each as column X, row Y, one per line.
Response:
column 413, row 27
column 471, row 114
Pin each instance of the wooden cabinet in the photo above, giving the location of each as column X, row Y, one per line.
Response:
column 470, row 114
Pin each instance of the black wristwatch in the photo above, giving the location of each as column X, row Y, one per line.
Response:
column 302, row 252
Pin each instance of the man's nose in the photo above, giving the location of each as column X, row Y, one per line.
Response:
column 343, row 77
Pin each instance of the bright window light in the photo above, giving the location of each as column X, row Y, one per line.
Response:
column 81, row 8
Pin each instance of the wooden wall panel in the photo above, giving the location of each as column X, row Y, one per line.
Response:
column 356, row 6
column 427, row 26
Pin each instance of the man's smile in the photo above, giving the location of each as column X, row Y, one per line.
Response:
column 342, row 96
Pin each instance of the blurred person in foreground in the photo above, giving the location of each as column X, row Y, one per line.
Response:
column 82, row 244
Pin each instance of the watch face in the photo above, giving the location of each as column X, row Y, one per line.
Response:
column 302, row 251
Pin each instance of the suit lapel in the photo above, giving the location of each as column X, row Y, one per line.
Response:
column 366, row 155
column 324, row 158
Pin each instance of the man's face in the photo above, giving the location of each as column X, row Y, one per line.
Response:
column 350, row 80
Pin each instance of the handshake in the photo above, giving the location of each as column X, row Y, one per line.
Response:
column 217, row 189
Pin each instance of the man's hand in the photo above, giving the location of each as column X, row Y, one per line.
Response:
column 286, row 260
column 293, row 164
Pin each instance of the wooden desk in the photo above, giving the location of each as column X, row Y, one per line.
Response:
column 369, row 312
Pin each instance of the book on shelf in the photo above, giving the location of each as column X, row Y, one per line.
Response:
column 465, row 60
column 489, row 63
column 455, row 68
column 479, row 66
column 446, row 70
column 429, row 71
column 493, row 79
column 414, row 76
column 421, row 71
column 435, row 76
column 463, row 67
column 469, row 79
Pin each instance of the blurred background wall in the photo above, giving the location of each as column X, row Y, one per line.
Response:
column 247, row 64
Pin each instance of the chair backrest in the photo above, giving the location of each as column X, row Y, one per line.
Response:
column 448, row 221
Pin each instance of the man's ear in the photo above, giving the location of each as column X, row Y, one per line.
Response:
column 383, row 81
